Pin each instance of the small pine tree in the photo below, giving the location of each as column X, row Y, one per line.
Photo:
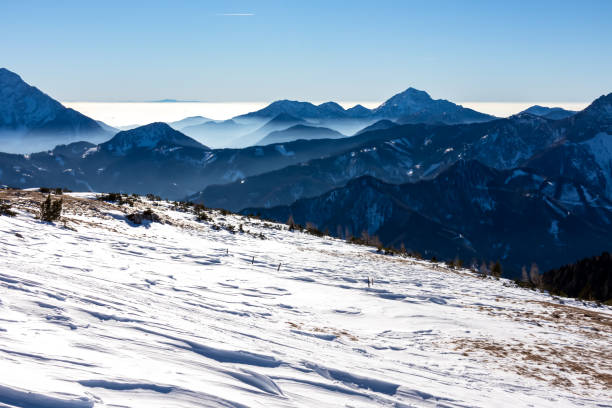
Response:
column 375, row 241
column 51, row 210
column 347, row 234
column 365, row 237
column 496, row 269
column 483, row 269
column 291, row 223
column 534, row 275
column 339, row 232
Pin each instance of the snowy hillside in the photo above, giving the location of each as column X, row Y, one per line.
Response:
column 97, row 311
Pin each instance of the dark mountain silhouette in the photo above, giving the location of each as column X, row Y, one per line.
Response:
column 304, row 110
column 380, row 125
column 358, row 111
column 152, row 136
column 298, row 132
column 469, row 211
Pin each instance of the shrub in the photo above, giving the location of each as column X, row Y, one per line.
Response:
column 153, row 197
column 51, row 210
column 200, row 212
column 146, row 215
column 312, row 229
column 5, row 209
column 456, row 263
column 110, row 197
column 118, row 198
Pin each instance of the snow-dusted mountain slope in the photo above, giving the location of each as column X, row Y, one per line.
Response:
column 31, row 120
column 96, row 311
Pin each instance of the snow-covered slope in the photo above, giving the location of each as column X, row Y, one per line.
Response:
column 95, row 311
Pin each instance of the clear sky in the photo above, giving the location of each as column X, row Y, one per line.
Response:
column 310, row 50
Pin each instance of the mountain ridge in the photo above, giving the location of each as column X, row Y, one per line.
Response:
column 29, row 117
column 464, row 212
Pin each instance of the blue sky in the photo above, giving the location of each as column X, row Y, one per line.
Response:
column 310, row 50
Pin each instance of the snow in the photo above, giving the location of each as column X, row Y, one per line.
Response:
column 98, row 312
column 601, row 149
column 90, row 151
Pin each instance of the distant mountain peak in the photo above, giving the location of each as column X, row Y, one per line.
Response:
column 359, row 111
column 601, row 105
column 554, row 113
column 404, row 103
column 594, row 119
column 26, row 111
column 23, row 105
column 149, row 136
column 331, row 106
column 416, row 106
column 409, row 95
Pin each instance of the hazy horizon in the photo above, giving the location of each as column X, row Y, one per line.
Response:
column 140, row 113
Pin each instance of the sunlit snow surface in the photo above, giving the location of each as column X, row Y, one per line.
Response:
column 177, row 315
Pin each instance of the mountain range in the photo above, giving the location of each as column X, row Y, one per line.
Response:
column 410, row 106
column 469, row 211
column 157, row 159
column 427, row 174
column 405, row 153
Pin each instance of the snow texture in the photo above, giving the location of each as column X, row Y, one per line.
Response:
column 103, row 313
